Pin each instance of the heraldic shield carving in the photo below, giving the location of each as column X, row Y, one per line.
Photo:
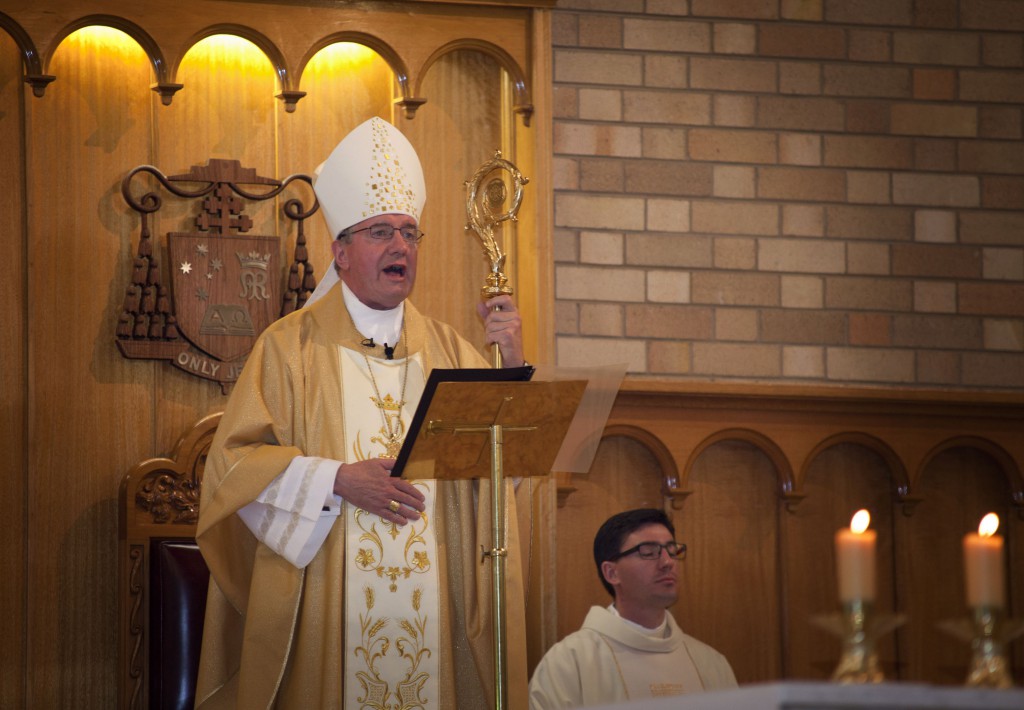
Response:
column 226, row 284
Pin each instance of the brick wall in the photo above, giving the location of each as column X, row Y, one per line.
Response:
column 818, row 191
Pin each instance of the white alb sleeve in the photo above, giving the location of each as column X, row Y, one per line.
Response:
column 294, row 514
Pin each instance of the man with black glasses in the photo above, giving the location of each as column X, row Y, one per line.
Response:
column 633, row 648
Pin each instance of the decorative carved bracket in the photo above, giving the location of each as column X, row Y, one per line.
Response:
column 410, row 105
column 39, row 82
column 290, row 98
column 563, row 486
column 791, row 499
column 676, row 497
column 906, row 500
column 526, row 112
column 167, row 91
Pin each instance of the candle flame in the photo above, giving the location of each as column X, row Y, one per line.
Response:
column 988, row 525
column 860, row 521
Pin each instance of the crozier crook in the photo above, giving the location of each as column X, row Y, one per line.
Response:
column 483, row 210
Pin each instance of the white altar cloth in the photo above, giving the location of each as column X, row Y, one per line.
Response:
column 807, row 695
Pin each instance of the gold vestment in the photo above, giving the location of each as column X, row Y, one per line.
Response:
column 273, row 634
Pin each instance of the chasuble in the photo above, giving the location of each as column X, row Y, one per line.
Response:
column 383, row 616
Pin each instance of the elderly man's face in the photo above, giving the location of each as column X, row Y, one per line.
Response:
column 380, row 273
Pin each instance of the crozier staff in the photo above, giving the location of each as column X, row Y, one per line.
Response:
column 333, row 584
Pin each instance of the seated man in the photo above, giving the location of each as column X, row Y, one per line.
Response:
column 632, row 649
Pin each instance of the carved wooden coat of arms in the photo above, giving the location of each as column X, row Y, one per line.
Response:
column 226, row 284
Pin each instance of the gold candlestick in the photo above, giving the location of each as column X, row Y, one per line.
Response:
column 988, row 631
column 859, row 627
column 988, row 668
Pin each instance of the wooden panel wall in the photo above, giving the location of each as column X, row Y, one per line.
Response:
column 759, row 479
column 730, row 524
column 90, row 413
column 13, row 374
column 453, row 268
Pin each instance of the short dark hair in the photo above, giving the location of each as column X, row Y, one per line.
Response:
column 609, row 538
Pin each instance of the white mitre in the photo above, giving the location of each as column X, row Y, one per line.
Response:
column 373, row 171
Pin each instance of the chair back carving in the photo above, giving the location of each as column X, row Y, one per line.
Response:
column 162, row 576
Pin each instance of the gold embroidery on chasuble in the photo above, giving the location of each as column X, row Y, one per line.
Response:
column 392, row 431
column 392, row 604
column 666, row 690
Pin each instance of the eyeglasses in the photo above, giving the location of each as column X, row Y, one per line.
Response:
column 652, row 551
column 384, row 232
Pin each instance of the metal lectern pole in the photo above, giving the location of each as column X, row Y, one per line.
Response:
column 498, row 556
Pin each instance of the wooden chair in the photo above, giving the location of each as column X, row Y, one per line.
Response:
column 162, row 576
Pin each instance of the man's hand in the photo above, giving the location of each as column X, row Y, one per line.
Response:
column 503, row 326
column 369, row 485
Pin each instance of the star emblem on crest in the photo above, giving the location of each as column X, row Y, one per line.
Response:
column 186, row 267
column 202, row 249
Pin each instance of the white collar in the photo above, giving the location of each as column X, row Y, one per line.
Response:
column 383, row 327
column 658, row 632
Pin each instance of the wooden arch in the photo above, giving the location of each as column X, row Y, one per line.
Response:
column 34, row 74
column 286, row 91
column 784, row 470
column 666, row 463
column 522, row 103
column 285, row 46
column 408, row 102
column 896, row 465
column 162, row 85
column 1001, row 456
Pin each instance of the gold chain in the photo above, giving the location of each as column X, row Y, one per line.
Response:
column 393, row 435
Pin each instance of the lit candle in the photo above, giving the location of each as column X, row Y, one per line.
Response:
column 855, row 557
column 983, row 564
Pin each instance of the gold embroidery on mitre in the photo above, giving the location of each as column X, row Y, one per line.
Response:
column 387, row 187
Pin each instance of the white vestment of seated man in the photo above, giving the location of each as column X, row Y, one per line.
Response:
column 611, row 659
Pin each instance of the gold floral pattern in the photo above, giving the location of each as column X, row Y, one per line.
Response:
column 365, row 558
column 415, row 558
column 392, row 634
column 411, row 647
